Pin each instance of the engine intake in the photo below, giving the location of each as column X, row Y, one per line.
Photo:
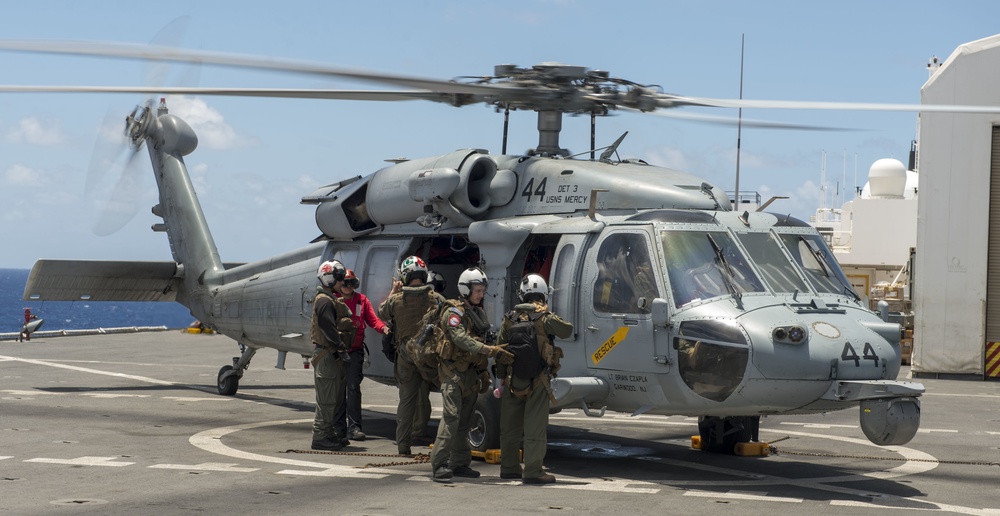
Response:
column 458, row 187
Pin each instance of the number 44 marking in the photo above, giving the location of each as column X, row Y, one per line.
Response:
column 868, row 354
column 530, row 189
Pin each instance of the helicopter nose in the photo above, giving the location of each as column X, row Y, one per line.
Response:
column 825, row 348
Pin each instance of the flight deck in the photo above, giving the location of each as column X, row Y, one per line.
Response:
column 132, row 423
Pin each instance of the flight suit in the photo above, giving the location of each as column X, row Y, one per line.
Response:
column 528, row 417
column 405, row 309
column 459, row 373
column 329, row 371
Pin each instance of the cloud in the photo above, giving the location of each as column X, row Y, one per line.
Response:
column 20, row 175
column 198, row 172
column 36, row 131
column 211, row 127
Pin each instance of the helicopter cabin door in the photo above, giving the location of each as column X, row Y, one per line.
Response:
column 619, row 284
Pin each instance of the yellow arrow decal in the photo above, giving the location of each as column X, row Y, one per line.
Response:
column 609, row 344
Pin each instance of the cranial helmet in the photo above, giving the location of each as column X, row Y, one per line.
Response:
column 413, row 267
column 437, row 280
column 331, row 272
column 351, row 279
column 470, row 277
column 533, row 288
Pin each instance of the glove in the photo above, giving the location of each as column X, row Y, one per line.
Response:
column 389, row 345
column 502, row 355
column 485, row 382
column 389, row 352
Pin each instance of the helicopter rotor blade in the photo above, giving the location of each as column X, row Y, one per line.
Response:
column 669, row 101
column 745, row 122
column 113, row 177
column 291, row 93
column 167, row 53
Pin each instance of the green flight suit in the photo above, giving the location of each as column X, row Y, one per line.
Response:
column 459, row 375
column 329, row 372
column 526, row 417
column 405, row 309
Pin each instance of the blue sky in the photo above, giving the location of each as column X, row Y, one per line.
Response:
column 258, row 157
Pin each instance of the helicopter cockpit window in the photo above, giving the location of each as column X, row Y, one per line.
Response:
column 818, row 261
column 766, row 253
column 706, row 264
column 625, row 275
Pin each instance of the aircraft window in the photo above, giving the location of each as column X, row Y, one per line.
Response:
column 766, row 253
column 818, row 261
column 712, row 357
column 378, row 280
column 625, row 274
column 706, row 264
column 347, row 256
column 676, row 216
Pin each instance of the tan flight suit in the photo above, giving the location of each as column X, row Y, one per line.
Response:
column 459, row 373
column 329, row 324
column 528, row 417
column 405, row 309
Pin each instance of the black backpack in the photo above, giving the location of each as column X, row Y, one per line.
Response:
column 523, row 343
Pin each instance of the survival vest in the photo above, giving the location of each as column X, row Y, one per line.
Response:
column 532, row 347
column 523, row 342
column 427, row 347
column 345, row 325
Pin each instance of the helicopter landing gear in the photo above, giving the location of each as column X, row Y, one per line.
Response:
column 229, row 381
column 229, row 376
column 721, row 434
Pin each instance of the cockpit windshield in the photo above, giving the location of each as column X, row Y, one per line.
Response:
column 818, row 261
column 706, row 264
column 777, row 271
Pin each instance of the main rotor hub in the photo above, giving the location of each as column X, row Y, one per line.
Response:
column 562, row 88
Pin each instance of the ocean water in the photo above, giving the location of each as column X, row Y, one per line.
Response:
column 81, row 315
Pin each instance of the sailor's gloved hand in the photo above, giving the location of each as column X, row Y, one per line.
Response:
column 485, row 382
column 501, row 355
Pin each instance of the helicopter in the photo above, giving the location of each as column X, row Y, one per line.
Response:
column 681, row 305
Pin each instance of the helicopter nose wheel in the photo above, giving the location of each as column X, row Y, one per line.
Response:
column 229, row 382
column 722, row 434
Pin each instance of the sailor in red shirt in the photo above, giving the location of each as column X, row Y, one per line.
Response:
column 349, row 417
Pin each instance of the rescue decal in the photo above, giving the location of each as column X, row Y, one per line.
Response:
column 609, row 344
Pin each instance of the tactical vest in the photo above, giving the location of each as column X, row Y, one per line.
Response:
column 550, row 354
column 345, row 325
column 523, row 331
column 408, row 308
column 459, row 358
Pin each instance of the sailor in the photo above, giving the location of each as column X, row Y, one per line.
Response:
column 363, row 315
column 422, row 414
column 24, row 334
column 331, row 330
column 527, row 330
column 462, row 364
column 403, row 309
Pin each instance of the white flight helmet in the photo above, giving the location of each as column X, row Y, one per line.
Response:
column 469, row 277
column 532, row 287
column 437, row 280
column 331, row 272
column 411, row 267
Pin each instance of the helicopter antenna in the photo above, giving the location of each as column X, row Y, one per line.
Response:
column 593, row 133
column 506, row 124
column 612, row 149
column 739, row 123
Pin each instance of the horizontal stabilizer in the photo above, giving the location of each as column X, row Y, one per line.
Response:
column 85, row 280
